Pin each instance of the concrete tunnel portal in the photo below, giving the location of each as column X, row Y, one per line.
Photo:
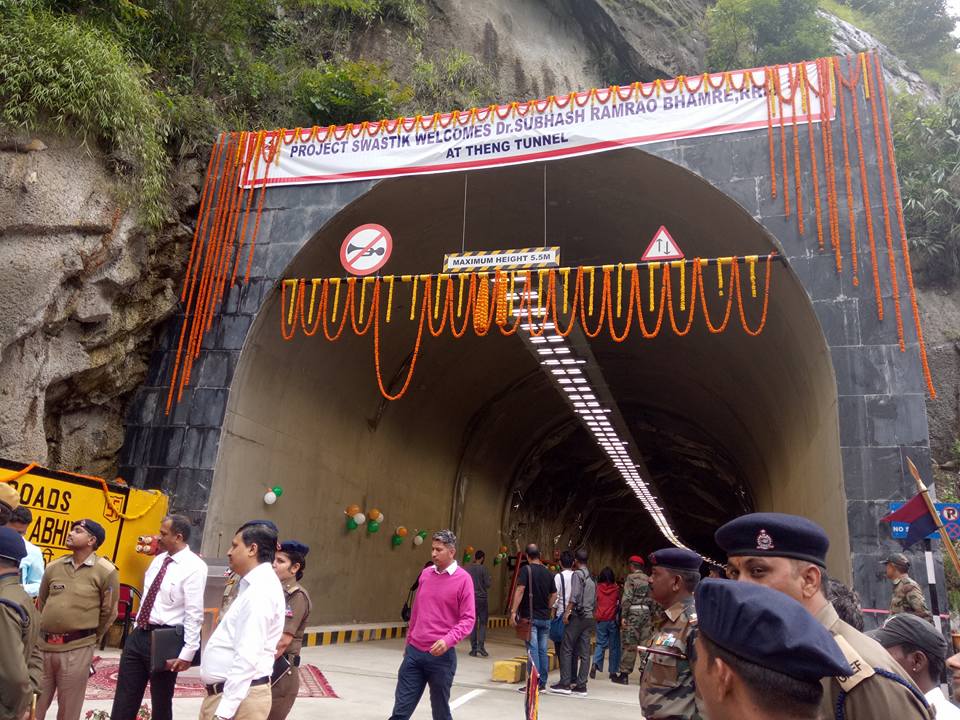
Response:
column 483, row 442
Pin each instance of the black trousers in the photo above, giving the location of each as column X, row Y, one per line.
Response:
column 132, row 682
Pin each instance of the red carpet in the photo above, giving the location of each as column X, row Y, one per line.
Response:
column 103, row 684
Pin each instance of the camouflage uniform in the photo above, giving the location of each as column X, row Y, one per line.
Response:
column 635, row 611
column 908, row 598
column 666, row 687
column 230, row 591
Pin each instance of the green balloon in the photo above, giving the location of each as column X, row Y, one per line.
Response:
column 351, row 524
column 277, row 490
column 496, row 560
column 423, row 534
column 396, row 540
column 467, row 557
column 373, row 526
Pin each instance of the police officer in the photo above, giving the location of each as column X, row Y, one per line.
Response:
column 907, row 595
column 20, row 663
column 635, row 623
column 78, row 603
column 232, row 586
column 289, row 564
column 666, row 686
column 788, row 553
column 759, row 654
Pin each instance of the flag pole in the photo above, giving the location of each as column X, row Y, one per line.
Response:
column 947, row 542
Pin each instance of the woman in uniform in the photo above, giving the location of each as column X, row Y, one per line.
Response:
column 289, row 564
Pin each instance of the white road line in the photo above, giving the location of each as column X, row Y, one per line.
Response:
column 466, row 698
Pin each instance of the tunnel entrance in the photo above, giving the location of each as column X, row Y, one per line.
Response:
column 483, row 441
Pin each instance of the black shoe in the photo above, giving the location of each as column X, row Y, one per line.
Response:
column 593, row 672
column 473, row 653
column 560, row 689
column 522, row 689
column 580, row 690
column 621, row 678
column 483, row 651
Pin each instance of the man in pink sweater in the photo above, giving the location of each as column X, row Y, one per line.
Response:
column 443, row 614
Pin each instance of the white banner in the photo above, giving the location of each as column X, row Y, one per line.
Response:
column 577, row 124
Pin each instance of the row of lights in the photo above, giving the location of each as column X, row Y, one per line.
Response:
column 567, row 372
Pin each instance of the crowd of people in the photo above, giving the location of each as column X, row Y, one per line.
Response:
column 52, row 618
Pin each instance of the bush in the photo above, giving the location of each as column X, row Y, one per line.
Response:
column 58, row 73
column 340, row 93
column 751, row 33
column 453, row 80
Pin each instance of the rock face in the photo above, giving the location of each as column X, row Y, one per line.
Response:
column 82, row 288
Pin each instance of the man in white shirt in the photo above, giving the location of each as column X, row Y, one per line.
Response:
column 238, row 658
column 562, row 581
column 921, row 651
column 32, row 566
column 173, row 596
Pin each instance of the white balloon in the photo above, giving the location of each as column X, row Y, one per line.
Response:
column 380, row 519
column 417, row 540
column 270, row 497
column 359, row 518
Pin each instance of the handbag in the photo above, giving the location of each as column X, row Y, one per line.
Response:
column 525, row 625
column 405, row 611
column 556, row 625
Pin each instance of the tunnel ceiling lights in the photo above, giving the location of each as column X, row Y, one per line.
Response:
column 582, row 396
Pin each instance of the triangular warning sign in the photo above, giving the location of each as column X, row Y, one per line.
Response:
column 662, row 247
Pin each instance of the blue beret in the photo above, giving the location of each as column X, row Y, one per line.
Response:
column 94, row 528
column 676, row 559
column 11, row 545
column 774, row 535
column 767, row 628
column 294, row 546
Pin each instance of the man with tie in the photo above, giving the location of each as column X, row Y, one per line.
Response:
column 174, row 585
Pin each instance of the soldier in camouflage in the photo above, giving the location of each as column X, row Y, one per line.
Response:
column 666, row 687
column 635, row 613
column 907, row 594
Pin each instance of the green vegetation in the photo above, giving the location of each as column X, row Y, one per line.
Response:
column 750, row 33
column 928, row 152
column 150, row 80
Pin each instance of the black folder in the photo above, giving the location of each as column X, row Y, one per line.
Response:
column 166, row 644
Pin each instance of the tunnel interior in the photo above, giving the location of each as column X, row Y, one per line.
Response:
column 483, row 441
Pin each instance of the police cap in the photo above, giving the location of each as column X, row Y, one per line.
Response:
column 767, row 628
column 676, row 559
column 774, row 535
column 11, row 545
column 94, row 528
column 906, row 629
column 9, row 496
column 288, row 546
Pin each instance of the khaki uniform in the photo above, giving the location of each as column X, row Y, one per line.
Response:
column 285, row 690
column 635, row 614
column 73, row 599
column 21, row 667
column 666, row 687
column 908, row 598
column 867, row 694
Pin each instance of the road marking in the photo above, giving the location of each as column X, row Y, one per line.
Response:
column 466, row 698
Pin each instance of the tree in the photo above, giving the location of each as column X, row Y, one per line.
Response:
column 751, row 33
column 919, row 29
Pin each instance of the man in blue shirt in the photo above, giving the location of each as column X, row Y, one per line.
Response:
column 31, row 567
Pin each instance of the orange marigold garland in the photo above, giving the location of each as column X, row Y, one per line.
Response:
column 848, row 175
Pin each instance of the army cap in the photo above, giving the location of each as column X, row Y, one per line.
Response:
column 11, row 545
column 676, row 559
column 906, row 629
column 898, row 559
column 9, row 495
column 767, row 628
column 294, row 546
column 94, row 528
column 774, row 535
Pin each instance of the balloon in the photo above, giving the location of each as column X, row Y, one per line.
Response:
column 277, row 490
column 373, row 526
column 418, row 540
column 270, row 497
column 496, row 560
column 375, row 515
column 352, row 510
column 402, row 531
column 359, row 518
column 396, row 540
column 467, row 557
column 423, row 534
column 470, row 549
column 503, row 548
column 351, row 524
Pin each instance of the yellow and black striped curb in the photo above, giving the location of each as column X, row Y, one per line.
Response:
column 312, row 638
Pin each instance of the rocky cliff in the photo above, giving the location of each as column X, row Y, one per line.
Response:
column 83, row 288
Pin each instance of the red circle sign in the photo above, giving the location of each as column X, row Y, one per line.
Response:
column 366, row 249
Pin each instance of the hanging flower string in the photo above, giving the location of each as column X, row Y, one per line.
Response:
column 233, row 196
column 485, row 305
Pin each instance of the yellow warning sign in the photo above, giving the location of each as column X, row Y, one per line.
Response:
column 58, row 500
